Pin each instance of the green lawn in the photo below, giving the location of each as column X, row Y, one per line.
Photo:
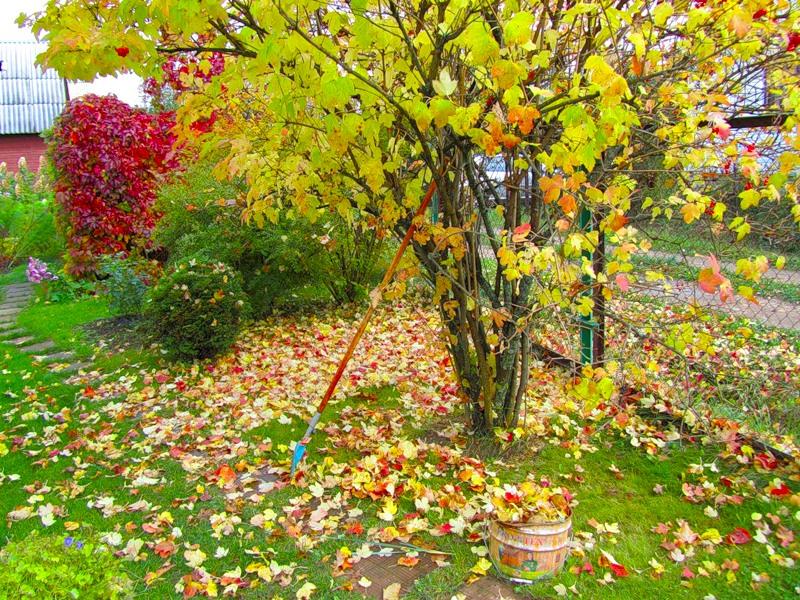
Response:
column 612, row 480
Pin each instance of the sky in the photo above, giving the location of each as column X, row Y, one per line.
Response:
column 126, row 87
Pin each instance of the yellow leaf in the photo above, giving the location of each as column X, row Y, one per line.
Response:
column 740, row 22
column 691, row 211
column 391, row 592
column 481, row 567
column 304, row 593
column 661, row 13
column 746, row 292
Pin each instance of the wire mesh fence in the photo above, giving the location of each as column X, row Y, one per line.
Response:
column 731, row 355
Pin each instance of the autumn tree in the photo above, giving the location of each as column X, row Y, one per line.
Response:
column 357, row 106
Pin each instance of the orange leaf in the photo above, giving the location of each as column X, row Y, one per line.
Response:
column 408, row 561
column 617, row 221
column 710, row 279
column 637, row 66
column 152, row 576
column 510, row 140
column 568, row 204
column 225, row 474
column 551, row 186
column 165, row 548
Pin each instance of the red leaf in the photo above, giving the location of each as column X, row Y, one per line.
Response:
column 781, row 490
column 739, row 536
column 122, row 51
column 619, row 570
column 794, row 41
column 521, row 232
column 355, row 529
column 766, row 461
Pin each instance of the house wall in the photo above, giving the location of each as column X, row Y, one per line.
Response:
column 12, row 147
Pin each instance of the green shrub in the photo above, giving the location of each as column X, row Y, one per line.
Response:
column 125, row 281
column 67, row 289
column 203, row 220
column 355, row 258
column 196, row 311
column 27, row 222
column 50, row 566
column 282, row 264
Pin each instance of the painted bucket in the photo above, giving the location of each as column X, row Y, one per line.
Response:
column 527, row 552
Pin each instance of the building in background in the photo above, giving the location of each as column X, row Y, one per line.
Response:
column 30, row 100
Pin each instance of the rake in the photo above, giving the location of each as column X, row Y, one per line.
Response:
column 375, row 296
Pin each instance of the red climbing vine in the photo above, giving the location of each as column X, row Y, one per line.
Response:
column 108, row 158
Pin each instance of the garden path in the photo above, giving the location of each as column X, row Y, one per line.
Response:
column 17, row 297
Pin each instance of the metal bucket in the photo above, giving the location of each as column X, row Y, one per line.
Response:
column 527, row 552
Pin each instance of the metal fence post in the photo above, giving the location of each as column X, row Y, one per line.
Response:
column 587, row 322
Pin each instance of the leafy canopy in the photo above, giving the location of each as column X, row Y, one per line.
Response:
column 356, row 107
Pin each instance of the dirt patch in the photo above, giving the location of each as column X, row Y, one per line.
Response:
column 117, row 334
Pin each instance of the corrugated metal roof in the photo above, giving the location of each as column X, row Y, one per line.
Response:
column 30, row 99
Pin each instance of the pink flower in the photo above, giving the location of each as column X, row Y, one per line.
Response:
column 37, row 271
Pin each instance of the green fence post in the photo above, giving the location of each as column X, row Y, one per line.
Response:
column 587, row 322
column 434, row 208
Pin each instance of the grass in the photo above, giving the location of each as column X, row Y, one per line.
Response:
column 604, row 496
column 678, row 270
column 676, row 237
column 15, row 275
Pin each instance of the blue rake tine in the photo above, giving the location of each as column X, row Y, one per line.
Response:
column 300, row 446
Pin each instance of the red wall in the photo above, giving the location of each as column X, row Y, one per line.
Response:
column 30, row 146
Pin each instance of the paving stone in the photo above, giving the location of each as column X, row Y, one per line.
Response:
column 20, row 341
column 384, row 571
column 56, row 357
column 7, row 323
column 10, row 290
column 75, row 367
column 14, row 301
column 9, row 312
column 41, row 346
column 14, row 332
column 491, row 587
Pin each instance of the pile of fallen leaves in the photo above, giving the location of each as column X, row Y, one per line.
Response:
column 191, row 448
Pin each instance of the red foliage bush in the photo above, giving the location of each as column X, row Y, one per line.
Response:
column 109, row 159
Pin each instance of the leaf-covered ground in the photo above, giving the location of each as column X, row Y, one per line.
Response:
column 183, row 469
